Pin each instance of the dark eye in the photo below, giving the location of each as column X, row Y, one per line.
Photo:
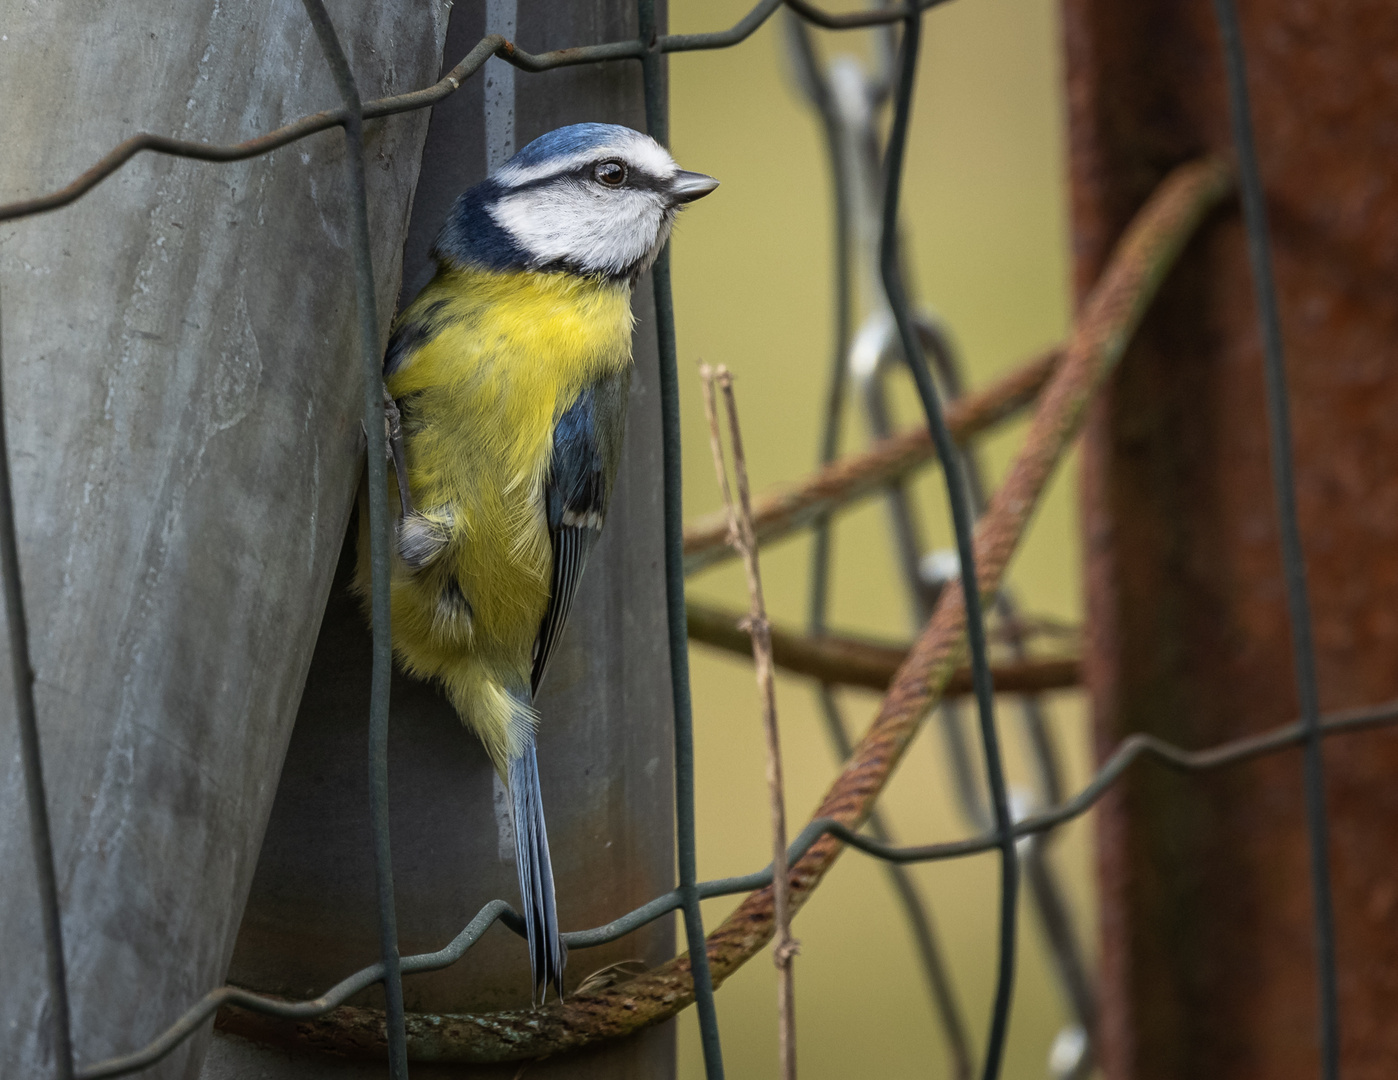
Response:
column 611, row 173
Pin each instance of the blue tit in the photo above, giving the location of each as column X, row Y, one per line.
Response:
column 510, row 371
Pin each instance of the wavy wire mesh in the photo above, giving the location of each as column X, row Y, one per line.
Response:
column 867, row 190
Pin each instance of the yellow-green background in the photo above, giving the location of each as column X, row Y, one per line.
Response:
column 985, row 209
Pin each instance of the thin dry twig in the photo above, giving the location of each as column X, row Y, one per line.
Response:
column 743, row 539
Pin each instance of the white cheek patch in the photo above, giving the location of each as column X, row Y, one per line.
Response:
column 598, row 231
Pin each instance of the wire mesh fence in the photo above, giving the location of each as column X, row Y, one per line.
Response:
column 953, row 595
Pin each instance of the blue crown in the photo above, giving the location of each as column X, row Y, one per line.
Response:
column 565, row 141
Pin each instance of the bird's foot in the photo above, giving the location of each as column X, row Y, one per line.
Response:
column 393, row 428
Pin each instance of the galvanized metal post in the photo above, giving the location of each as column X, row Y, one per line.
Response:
column 605, row 743
column 1208, row 952
column 183, row 419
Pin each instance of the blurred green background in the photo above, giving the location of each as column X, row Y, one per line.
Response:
column 985, row 211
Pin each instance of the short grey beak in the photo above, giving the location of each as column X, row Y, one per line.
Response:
column 688, row 186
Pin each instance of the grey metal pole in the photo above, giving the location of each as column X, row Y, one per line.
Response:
column 605, row 744
column 183, row 416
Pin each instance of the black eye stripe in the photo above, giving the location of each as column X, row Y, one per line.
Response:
column 635, row 179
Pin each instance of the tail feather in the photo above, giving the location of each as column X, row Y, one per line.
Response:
column 547, row 953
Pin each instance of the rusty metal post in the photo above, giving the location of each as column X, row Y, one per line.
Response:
column 183, row 405
column 605, row 743
column 1208, row 958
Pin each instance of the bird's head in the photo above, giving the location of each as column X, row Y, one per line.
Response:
column 588, row 199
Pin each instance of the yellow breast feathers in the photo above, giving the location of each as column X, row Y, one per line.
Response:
column 483, row 364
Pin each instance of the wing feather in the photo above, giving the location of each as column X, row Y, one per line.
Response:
column 571, row 547
column 585, row 441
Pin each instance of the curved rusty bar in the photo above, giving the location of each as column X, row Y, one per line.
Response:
column 852, row 661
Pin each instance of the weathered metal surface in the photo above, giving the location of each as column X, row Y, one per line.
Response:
column 605, row 750
column 1207, row 957
column 179, row 352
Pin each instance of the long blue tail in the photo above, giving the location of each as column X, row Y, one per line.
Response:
column 547, row 953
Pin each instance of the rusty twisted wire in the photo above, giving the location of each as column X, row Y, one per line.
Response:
column 847, row 94
column 1132, row 749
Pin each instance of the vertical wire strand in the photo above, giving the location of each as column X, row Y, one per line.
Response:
column 26, row 716
column 1254, row 207
column 808, row 70
column 377, row 469
column 957, row 496
column 657, row 123
column 915, row 910
column 960, row 1060
column 1043, row 887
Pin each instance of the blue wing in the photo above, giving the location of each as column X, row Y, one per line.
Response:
column 586, row 445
